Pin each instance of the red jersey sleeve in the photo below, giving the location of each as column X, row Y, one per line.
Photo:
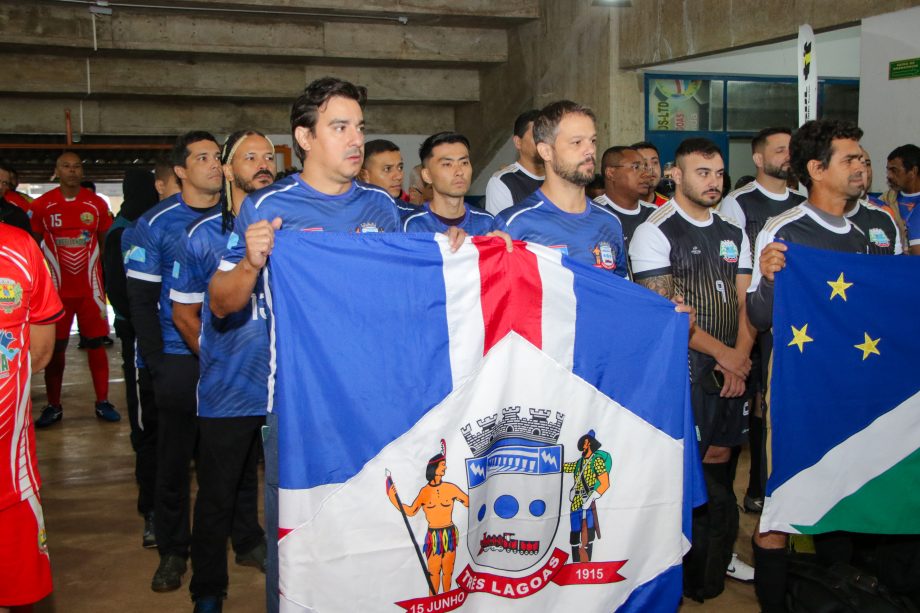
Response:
column 46, row 306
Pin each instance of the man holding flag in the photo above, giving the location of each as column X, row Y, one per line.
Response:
column 826, row 156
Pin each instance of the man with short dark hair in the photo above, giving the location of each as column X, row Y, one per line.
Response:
column 72, row 222
column 165, row 179
column 446, row 165
column 8, row 190
column 827, row 159
column 903, row 174
column 383, row 167
column 510, row 185
column 688, row 247
column 626, row 180
column 172, row 365
column 649, row 153
column 559, row 215
column 876, row 222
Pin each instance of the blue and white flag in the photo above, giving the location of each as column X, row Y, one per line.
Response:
column 844, row 401
column 477, row 430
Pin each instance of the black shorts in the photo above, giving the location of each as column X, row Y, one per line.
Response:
column 719, row 421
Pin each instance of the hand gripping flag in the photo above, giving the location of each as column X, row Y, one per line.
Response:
column 844, row 407
column 478, row 430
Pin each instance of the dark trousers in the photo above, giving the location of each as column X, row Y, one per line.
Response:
column 227, row 504
column 175, row 381
column 715, row 527
column 142, row 415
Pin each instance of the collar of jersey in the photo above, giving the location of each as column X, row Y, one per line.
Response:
column 528, row 173
column 466, row 214
column 763, row 190
column 812, row 212
column 616, row 207
column 690, row 220
column 552, row 205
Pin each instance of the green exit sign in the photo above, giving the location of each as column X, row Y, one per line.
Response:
column 904, row 69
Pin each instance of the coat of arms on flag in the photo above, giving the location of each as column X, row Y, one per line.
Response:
column 475, row 430
column 844, row 402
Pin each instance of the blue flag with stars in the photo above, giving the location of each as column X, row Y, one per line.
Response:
column 844, row 406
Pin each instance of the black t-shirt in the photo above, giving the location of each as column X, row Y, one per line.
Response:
column 14, row 216
column 703, row 257
column 751, row 205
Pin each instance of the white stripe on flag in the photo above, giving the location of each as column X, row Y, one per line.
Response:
column 807, row 497
column 558, row 305
column 465, row 326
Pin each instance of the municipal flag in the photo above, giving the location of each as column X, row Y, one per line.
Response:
column 844, row 407
column 478, row 430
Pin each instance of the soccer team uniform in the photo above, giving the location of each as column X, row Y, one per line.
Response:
column 878, row 226
column 232, row 399
column 593, row 237
column 27, row 297
column 704, row 258
column 629, row 218
column 474, row 222
column 361, row 209
column 14, row 197
column 509, row 187
column 907, row 205
column 149, row 264
column 752, row 205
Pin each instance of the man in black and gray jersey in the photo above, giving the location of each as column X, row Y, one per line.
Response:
column 827, row 158
column 626, row 179
column 751, row 205
column 767, row 195
column 686, row 247
column 876, row 222
column 510, row 185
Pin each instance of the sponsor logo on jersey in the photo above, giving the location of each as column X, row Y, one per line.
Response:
column 10, row 295
column 604, row 256
column 563, row 249
column 696, row 250
column 7, row 352
column 728, row 251
column 74, row 241
column 87, row 218
column 878, row 237
column 368, row 227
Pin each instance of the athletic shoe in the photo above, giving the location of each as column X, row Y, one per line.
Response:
column 105, row 411
column 50, row 414
column 150, row 537
column 753, row 505
column 739, row 571
column 169, row 574
column 209, row 604
column 255, row 557
column 107, row 341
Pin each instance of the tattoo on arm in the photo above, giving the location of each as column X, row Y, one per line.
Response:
column 661, row 284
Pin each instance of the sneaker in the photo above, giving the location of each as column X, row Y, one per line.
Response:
column 107, row 341
column 255, row 557
column 739, row 571
column 169, row 574
column 105, row 411
column 50, row 414
column 753, row 505
column 209, row 604
column 150, row 537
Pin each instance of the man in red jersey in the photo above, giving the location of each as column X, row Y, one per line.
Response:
column 29, row 307
column 71, row 222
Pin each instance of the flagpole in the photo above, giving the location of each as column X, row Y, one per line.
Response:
column 418, row 551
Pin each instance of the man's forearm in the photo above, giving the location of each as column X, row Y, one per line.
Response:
column 231, row 290
column 187, row 318
column 144, row 297
column 760, row 306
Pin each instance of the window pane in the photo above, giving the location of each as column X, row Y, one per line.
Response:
column 679, row 104
column 753, row 105
column 716, row 108
column 841, row 101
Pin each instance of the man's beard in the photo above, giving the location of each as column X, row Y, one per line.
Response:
column 699, row 200
column 573, row 175
column 248, row 186
column 777, row 172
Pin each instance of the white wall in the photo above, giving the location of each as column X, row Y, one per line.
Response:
column 837, row 55
column 888, row 110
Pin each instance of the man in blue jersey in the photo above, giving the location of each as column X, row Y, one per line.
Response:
column 327, row 125
column 172, row 365
column 446, row 166
column 903, row 174
column 232, row 395
column 559, row 214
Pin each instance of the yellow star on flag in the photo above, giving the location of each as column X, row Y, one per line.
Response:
column 800, row 337
column 840, row 287
column 868, row 346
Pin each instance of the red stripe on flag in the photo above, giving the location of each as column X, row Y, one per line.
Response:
column 283, row 532
column 511, row 290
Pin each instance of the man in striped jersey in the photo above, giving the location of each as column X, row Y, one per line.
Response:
column 687, row 248
column 826, row 156
column 510, row 185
